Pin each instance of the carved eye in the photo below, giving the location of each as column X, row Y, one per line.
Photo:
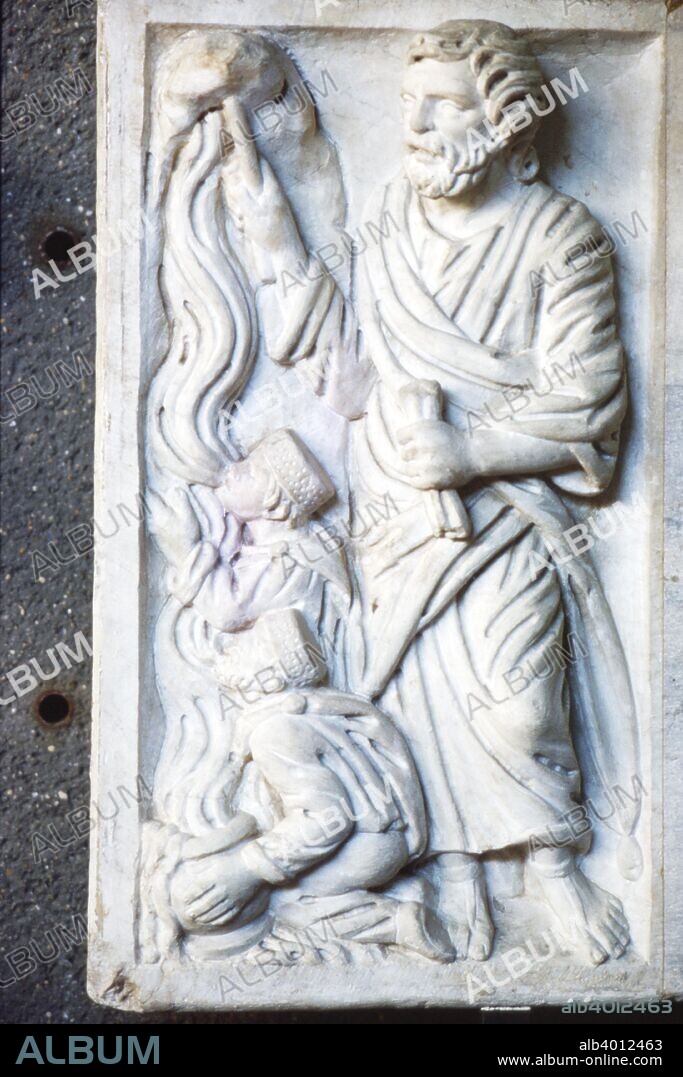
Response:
column 450, row 108
column 407, row 99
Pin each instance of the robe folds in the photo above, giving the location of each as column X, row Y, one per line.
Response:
column 511, row 688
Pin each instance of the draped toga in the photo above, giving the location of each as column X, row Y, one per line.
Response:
column 458, row 640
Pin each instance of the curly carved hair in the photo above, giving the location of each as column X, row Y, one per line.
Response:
column 500, row 59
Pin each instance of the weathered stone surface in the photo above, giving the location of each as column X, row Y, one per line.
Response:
column 378, row 350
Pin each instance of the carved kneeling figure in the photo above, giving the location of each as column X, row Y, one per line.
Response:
column 348, row 818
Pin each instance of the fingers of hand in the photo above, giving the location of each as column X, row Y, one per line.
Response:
column 425, row 476
column 241, row 157
column 244, row 148
column 221, row 912
column 426, row 438
column 413, row 432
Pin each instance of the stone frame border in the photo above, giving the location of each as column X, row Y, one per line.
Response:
column 116, row 977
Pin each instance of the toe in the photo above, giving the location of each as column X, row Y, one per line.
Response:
column 616, row 915
column 619, row 930
column 460, row 938
column 618, row 948
column 596, row 953
column 621, row 922
column 610, row 941
column 480, row 945
column 479, row 951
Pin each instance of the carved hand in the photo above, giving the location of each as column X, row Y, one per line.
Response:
column 174, row 524
column 255, row 199
column 210, row 891
column 435, row 455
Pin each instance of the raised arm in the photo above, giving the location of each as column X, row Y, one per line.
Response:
column 303, row 315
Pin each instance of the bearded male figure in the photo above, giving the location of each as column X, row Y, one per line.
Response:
column 496, row 389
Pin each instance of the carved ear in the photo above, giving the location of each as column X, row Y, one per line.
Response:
column 523, row 162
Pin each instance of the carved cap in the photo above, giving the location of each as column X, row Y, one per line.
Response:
column 296, row 470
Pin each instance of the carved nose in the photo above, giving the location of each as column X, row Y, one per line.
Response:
column 418, row 118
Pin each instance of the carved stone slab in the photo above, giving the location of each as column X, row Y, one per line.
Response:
column 383, row 353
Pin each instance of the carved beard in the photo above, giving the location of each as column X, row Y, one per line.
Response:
column 446, row 173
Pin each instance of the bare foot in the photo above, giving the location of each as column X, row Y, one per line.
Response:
column 464, row 905
column 590, row 921
column 419, row 929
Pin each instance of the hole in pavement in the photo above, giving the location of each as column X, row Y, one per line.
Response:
column 53, row 709
column 57, row 244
